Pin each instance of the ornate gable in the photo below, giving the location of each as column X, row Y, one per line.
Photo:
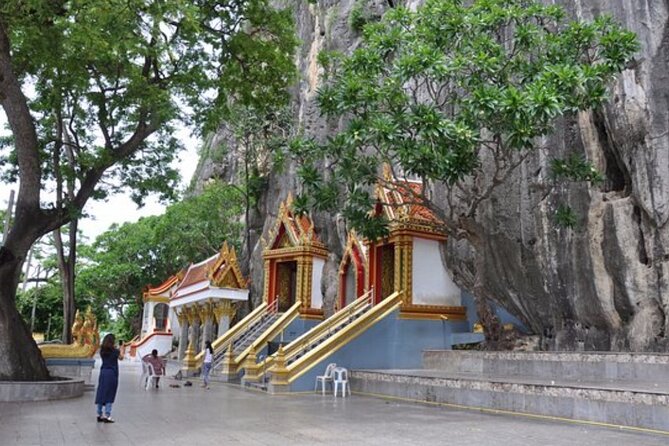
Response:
column 291, row 230
column 354, row 251
column 163, row 290
column 225, row 271
column 400, row 201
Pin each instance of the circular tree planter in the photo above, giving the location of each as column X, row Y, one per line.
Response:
column 56, row 389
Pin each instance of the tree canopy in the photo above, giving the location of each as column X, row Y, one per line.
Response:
column 92, row 91
column 455, row 94
column 125, row 260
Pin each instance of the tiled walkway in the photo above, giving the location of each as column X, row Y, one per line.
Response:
column 228, row 415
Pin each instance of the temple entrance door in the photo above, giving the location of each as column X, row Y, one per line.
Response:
column 286, row 274
column 384, row 284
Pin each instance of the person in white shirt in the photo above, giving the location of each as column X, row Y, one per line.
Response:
column 206, row 365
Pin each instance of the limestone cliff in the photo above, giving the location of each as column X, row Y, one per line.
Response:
column 603, row 285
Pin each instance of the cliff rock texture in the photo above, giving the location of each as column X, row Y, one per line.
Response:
column 603, row 285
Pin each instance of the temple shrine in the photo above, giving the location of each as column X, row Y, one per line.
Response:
column 396, row 298
column 205, row 303
column 158, row 322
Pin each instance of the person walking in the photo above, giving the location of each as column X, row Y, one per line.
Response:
column 206, row 365
column 108, row 380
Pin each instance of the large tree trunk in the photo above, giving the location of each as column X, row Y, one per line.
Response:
column 21, row 359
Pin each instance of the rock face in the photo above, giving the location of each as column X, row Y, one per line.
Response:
column 603, row 285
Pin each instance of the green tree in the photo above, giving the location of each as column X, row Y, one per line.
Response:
column 124, row 260
column 456, row 94
column 92, row 90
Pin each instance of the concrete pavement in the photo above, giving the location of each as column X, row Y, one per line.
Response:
column 228, row 415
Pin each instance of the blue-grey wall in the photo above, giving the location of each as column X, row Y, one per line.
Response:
column 390, row 343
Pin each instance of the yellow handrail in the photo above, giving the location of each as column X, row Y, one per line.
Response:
column 222, row 342
column 271, row 332
column 341, row 338
column 320, row 330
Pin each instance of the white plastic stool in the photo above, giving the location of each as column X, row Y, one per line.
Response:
column 340, row 377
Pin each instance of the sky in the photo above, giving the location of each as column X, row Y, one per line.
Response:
column 120, row 208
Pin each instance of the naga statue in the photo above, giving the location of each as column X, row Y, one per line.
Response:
column 86, row 339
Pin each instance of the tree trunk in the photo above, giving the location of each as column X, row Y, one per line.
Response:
column 66, row 264
column 21, row 359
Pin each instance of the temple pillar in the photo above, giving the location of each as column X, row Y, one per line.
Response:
column 183, row 334
column 224, row 312
column 266, row 279
column 189, row 362
column 403, row 267
column 207, row 324
column 307, row 273
column 194, row 337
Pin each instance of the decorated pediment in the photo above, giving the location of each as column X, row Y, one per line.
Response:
column 225, row 271
column 290, row 229
column 401, row 200
column 355, row 251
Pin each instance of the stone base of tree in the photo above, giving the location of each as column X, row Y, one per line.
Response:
column 57, row 389
column 76, row 368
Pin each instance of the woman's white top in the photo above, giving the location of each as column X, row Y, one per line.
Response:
column 208, row 357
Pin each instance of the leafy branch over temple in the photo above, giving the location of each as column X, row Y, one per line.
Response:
column 457, row 96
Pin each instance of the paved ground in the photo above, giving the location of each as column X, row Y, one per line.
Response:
column 228, row 415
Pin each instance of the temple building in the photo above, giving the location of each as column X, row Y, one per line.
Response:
column 294, row 260
column 396, row 298
column 409, row 259
column 205, row 300
column 292, row 304
column 159, row 324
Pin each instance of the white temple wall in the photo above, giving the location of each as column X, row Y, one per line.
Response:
column 147, row 318
column 432, row 284
column 316, row 276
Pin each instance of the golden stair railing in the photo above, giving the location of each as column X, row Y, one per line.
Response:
column 322, row 330
column 221, row 343
column 248, row 355
column 287, row 373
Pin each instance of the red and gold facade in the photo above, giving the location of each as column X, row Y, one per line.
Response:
column 392, row 266
column 353, row 271
column 294, row 258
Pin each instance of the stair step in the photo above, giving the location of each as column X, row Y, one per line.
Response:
column 622, row 402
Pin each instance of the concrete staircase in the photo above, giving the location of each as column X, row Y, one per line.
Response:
column 246, row 338
column 626, row 389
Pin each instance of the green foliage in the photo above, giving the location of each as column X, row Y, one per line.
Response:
column 575, row 167
column 126, row 259
column 455, row 93
column 110, row 79
column 565, row 217
column 358, row 17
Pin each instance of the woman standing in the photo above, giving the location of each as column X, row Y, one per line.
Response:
column 108, row 382
column 206, row 365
